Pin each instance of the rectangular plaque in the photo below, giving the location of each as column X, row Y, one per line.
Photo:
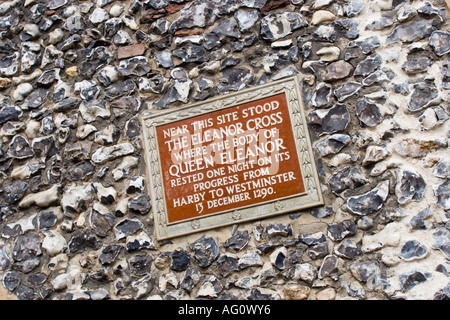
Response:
column 236, row 158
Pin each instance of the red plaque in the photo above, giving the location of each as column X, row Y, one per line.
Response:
column 219, row 162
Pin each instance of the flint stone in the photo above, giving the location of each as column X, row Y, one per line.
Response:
column 127, row 227
column 9, row 65
column 313, row 239
column 413, row 250
column 76, row 198
column 375, row 154
column 346, row 178
column 105, row 154
column 409, row 147
column 368, row 113
column 322, row 96
column 442, row 237
column 339, row 231
column 333, row 144
column 442, row 193
column 14, row 192
column 227, row 28
column 408, row 280
column 178, row 91
column 440, row 42
column 331, row 120
column 119, row 89
column 109, row 254
column 276, row 26
column 347, row 90
column 249, row 260
column 410, row 186
column 97, row 57
column 205, row 250
column 10, row 113
column 369, row 202
column 349, row 26
column 139, row 241
column 412, row 32
column 36, row 98
column 140, row 204
column 194, row 15
column 234, row 79
column 84, row 240
column 140, row 264
column 227, row 264
column 417, row 222
column 210, row 289
column 368, row 65
column 329, row 267
column 415, row 65
column 75, row 23
column 138, row 66
column 19, row 148
column 180, row 260
column 238, row 241
column 338, row 70
column 246, row 19
column 41, row 199
column 101, row 220
column 423, row 95
column 192, row 53
column 348, row 249
column 26, row 252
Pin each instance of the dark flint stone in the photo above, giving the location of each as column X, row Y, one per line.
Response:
column 440, row 42
column 132, row 128
column 191, row 278
column 84, row 240
column 192, row 54
column 101, row 222
column 267, row 247
column 36, row 98
column 211, row 41
column 413, row 250
column 81, row 170
column 317, row 251
column 14, row 192
column 257, row 295
column 97, row 57
column 19, row 148
column 284, row 24
column 354, row 8
column 347, row 90
column 348, row 249
column 417, row 221
column 368, row 113
column 238, row 241
column 329, row 267
column 11, row 280
column 69, row 42
column 330, row 121
column 47, row 220
column 412, row 32
column 375, row 77
column 339, row 231
column 416, row 64
column 429, row 10
column 4, row 259
column 227, row 264
column 140, row 204
column 205, row 250
column 140, row 264
column 280, row 261
column 227, row 28
column 66, row 104
column 410, row 186
column 348, row 26
column 120, row 89
column 138, row 66
column 180, row 260
column 26, row 252
column 128, row 227
column 368, row 65
column 112, row 26
column 322, row 96
column 109, row 254
column 380, row 23
column 10, row 113
column 322, row 212
column 47, row 78
column 367, row 45
column 333, row 144
column 37, row 278
column 279, row 229
column 235, row 79
column 346, row 178
column 44, row 147
column 442, row 243
column 408, row 280
column 363, row 271
column 229, row 62
column 127, row 105
column 369, row 202
column 442, row 192
column 313, row 239
column 24, row 292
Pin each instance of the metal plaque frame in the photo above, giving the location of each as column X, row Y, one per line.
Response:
column 310, row 198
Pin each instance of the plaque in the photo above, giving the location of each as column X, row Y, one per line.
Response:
column 235, row 158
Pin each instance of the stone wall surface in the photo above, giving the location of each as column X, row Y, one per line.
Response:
column 75, row 216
